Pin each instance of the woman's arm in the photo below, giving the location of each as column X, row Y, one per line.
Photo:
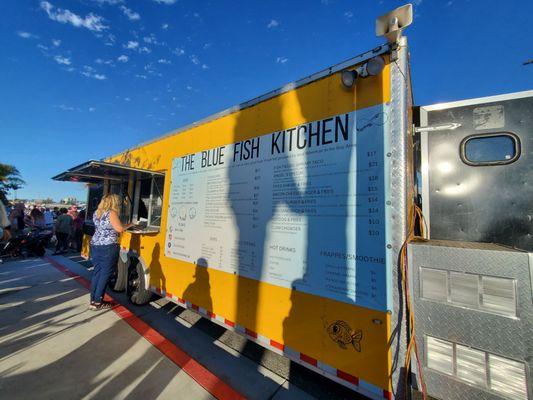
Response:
column 115, row 222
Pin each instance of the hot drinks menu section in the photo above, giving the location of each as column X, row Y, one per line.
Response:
column 301, row 208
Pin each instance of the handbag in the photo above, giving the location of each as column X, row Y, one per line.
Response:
column 88, row 228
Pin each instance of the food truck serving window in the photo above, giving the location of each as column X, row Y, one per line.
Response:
column 141, row 190
column 148, row 202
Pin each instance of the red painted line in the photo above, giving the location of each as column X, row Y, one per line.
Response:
column 347, row 377
column 195, row 307
column 193, row 368
column 308, row 360
column 181, row 300
column 169, row 295
column 211, row 314
column 387, row 395
column 230, row 323
column 277, row 345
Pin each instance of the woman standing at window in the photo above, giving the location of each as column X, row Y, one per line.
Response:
column 104, row 247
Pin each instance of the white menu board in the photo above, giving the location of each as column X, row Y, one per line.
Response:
column 301, row 208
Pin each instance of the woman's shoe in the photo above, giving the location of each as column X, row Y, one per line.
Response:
column 104, row 305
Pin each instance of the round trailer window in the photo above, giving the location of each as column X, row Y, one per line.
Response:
column 491, row 149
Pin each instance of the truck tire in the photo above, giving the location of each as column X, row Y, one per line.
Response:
column 136, row 288
column 117, row 281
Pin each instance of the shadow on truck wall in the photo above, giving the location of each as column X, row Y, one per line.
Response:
column 320, row 233
column 199, row 291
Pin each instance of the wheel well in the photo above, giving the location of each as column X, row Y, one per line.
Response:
column 133, row 259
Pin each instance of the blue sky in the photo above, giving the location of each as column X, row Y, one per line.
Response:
column 83, row 79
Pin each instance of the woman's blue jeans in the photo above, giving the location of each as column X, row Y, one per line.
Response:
column 104, row 259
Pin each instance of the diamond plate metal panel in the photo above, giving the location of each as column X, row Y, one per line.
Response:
column 500, row 335
column 396, row 204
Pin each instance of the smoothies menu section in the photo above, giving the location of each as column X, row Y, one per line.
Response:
column 301, row 208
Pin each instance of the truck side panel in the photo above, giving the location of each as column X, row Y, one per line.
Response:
column 295, row 320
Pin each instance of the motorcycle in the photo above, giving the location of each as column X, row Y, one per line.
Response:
column 32, row 242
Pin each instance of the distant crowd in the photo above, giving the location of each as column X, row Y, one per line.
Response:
column 66, row 223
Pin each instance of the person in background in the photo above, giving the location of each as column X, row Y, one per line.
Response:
column 77, row 229
column 62, row 228
column 55, row 213
column 104, row 247
column 5, row 231
column 48, row 218
column 37, row 218
column 16, row 218
column 73, row 211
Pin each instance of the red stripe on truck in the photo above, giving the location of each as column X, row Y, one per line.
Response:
column 277, row 345
column 347, row 377
column 308, row 360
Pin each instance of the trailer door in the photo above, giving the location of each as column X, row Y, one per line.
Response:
column 472, row 281
column 477, row 182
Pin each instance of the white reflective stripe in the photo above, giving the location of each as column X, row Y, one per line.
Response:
column 507, row 377
column 371, row 388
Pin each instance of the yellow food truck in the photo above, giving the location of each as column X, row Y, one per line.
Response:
column 328, row 218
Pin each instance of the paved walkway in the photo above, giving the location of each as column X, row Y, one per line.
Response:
column 53, row 347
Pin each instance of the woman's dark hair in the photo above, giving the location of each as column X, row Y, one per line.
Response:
column 36, row 213
column 63, row 210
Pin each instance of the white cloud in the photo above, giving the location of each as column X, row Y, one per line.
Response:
column 144, row 49
column 141, row 76
column 56, row 42
column 92, row 109
column 189, row 87
column 348, row 14
column 204, row 66
column 112, row 2
column 164, row 27
column 91, row 21
column 207, row 45
column 194, row 59
column 42, row 47
column 179, row 51
column 167, row 2
column 111, row 39
column 132, row 45
column 132, row 15
column 64, row 107
column 281, row 60
column 127, row 99
column 151, row 39
column 27, row 35
column 163, row 61
column 123, row 58
column 89, row 72
column 62, row 60
column 272, row 24
column 101, row 61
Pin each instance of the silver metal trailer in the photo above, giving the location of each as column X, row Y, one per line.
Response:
column 472, row 281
